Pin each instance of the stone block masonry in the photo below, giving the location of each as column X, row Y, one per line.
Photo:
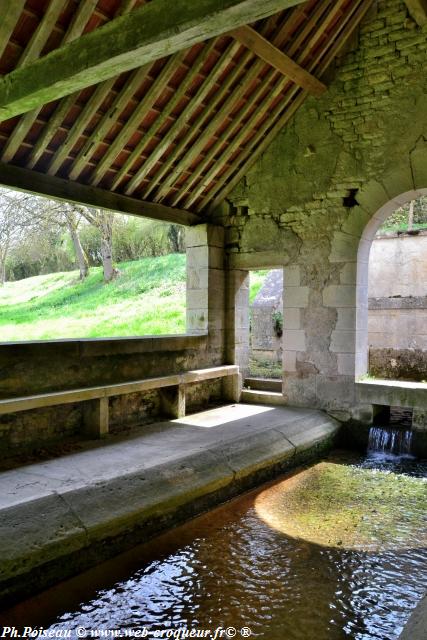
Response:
column 321, row 190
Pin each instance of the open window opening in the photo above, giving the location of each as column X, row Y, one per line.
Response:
column 397, row 295
column 265, row 371
column 70, row 271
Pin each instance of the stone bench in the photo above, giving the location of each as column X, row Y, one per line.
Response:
column 95, row 399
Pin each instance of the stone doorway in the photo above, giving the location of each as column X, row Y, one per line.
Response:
column 265, row 329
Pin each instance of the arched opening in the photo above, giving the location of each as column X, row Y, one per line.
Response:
column 364, row 252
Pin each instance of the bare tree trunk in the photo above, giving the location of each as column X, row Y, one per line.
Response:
column 2, row 271
column 411, row 216
column 106, row 228
column 81, row 258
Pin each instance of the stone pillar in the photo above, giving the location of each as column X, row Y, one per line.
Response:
column 206, row 286
column 298, row 387
column 319, row 338
column 237, row 320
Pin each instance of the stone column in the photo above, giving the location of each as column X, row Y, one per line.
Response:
column 237, row 319
column 206, row 287
column 298, row 387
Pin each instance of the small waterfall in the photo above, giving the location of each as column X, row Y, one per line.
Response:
column 390, row 441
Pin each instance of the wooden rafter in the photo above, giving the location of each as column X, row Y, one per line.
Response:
column 238, row 141
column 25, row 123
column 9, row 12
column 277, row 59
column 197, row 126
column 418, row 10
column 184, row 119
column 238, row 127
column 41, row 34
column 65, row 105
column 264, row 137
column 135, row 119
column 214, row 123
column 166, row 112
column 154, row 30
column 100, row 130
column 60, row 189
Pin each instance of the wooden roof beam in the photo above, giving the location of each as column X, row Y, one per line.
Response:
column 68, row 191
column 418, row 10
column 155, row 30
column 277, row 59
column 9, row 13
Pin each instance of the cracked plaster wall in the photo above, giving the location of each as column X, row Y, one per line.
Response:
column 367, row 133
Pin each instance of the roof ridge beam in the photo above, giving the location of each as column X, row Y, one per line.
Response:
column 277, row 59
column 153, row 31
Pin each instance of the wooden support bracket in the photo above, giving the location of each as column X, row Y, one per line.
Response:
column 173, row 401
column 277, row 59
column 95, row 418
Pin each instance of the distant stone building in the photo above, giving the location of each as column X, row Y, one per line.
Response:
column 397, row 319
column 267, row 319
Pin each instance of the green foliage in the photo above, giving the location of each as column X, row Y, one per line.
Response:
column 148, row 298
column 40, row 252
column 256, row 280
column 277, row 318
column 398, row 221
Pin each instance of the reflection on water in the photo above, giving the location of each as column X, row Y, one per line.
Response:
column 231, row 568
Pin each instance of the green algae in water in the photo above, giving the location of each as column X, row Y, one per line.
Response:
column 337, row 505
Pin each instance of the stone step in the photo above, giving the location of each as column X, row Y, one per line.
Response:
column 264, row 384
column 254, row 396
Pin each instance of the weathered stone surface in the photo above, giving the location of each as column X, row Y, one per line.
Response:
column 339, row 167
column 415, row 628
column 59, row 512
column 398, row 364
column 393, row 393
column 260, row 234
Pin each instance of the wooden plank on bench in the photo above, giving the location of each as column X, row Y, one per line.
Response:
column 199, row 375
column 54, row 398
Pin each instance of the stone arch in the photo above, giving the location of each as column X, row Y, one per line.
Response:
column 368, row 234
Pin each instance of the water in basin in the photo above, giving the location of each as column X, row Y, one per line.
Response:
column 332, row 551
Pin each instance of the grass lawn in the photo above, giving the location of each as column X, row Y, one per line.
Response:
column 148, row 298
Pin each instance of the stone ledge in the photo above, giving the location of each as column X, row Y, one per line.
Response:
column 61, row 516
column 88, row 347
column 404, row 302
column 392, row 393
column 415, row 628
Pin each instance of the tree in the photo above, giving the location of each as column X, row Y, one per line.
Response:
column 15, row 218
column 176, row 238
column 72, row 219
column 104, row 222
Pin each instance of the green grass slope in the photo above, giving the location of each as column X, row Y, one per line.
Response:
column 148, row 298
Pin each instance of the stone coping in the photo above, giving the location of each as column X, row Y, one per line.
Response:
column 393, row 393
column 398, row 384
column 61, row 516
column 416, row 627
column 401, row 302
column 87, row 347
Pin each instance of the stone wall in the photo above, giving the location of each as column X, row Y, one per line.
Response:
column 397, row 318
column 398, row 266
column 40, row 367
column 314, row 200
